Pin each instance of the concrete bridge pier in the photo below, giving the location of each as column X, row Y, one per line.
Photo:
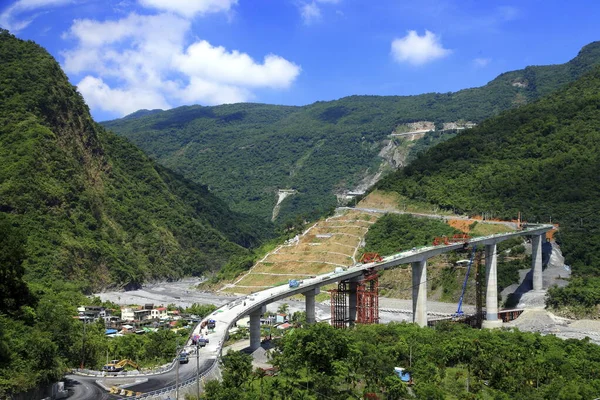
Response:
column 352, row 300
column 419, row 292
column 309, row 298
column 255, row 327
column 536, row 261
column 491, row 288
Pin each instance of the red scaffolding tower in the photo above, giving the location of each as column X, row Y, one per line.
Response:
column 367, row 299
column 366, row 292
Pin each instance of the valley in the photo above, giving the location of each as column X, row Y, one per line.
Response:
column 344, row 226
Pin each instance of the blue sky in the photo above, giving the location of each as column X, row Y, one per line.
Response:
column 126, row 55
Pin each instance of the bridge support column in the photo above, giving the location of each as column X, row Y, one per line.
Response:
column 536, row 261
column 352, row 300
column 255, row 328
column 419, row 292
column 309, row 298
column 491, row 288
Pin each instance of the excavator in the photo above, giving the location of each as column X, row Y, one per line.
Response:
column 118, row 366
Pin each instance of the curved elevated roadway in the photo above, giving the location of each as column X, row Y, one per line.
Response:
column 255, row 303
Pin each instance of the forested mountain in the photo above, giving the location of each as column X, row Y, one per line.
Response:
column 541, row 159
column 319, row 149
column 93, row 207
column 81, row 208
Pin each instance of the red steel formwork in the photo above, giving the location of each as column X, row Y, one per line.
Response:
column 339, row 306
column 367, row 299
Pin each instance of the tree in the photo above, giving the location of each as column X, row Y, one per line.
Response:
column 283, row 309
column 14, row 292
column 237, row 368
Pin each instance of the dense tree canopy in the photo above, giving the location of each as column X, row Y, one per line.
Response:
column 449, row 362
column 319, row 149
column 542, row 160
column 93, row 207
column 81, row 209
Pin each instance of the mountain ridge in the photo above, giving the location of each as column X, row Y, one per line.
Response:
column 95, row 209
column 324, row 148
column 540, row 160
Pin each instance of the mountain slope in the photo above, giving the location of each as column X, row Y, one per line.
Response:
column 542, row 159
column 319, row 149
column 94, row 208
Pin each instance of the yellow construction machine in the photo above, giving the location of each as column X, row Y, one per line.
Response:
column 118, row 366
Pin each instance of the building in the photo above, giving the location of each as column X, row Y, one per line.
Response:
column 281, row 318
column 159, row 313
column 94, row 313
column 127, row 314
column 140, row 315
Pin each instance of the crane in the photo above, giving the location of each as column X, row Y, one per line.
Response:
column 459, row 311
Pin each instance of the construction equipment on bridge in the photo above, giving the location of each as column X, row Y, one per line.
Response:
column 459, row 312
column 460, row 237
column 441, row 240
column 456, row 238
column 118, row 366
column 367, row 299
column 370, row 257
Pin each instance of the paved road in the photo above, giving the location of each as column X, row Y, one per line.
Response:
column 511, row 225
column 228, row 314
column 85, row 388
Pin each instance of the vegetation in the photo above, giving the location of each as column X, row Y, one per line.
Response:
column 393, row 233
column 541, row 159
column 449, row 362
column 319, row 149
column 96, row 210
column 81, row 209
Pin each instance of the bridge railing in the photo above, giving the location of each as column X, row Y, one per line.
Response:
column 188, row 386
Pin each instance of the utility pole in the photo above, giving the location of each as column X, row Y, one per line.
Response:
column 177, row 368
column 83, row 343
column 177, row 380
column 198, row 370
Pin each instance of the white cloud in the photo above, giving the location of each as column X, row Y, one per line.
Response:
column 481, row 62
column 310, row 12
column 418, row 50
column 98, row 94
column 9, row 17
column 216, row 64
column 143, row 61
column 213, row 93
column 189, row 8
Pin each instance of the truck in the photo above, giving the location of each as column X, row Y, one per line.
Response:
column 211, row 324
column 293, row 283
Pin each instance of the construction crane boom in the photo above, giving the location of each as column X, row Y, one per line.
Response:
column 459, row 311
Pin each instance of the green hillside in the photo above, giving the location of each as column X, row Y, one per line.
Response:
column 319, row 149
column 543, row 160
column 94, row 208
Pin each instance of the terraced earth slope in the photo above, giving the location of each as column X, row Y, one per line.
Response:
column 330, row 243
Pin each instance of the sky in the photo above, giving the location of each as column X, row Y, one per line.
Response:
column 126, row 55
